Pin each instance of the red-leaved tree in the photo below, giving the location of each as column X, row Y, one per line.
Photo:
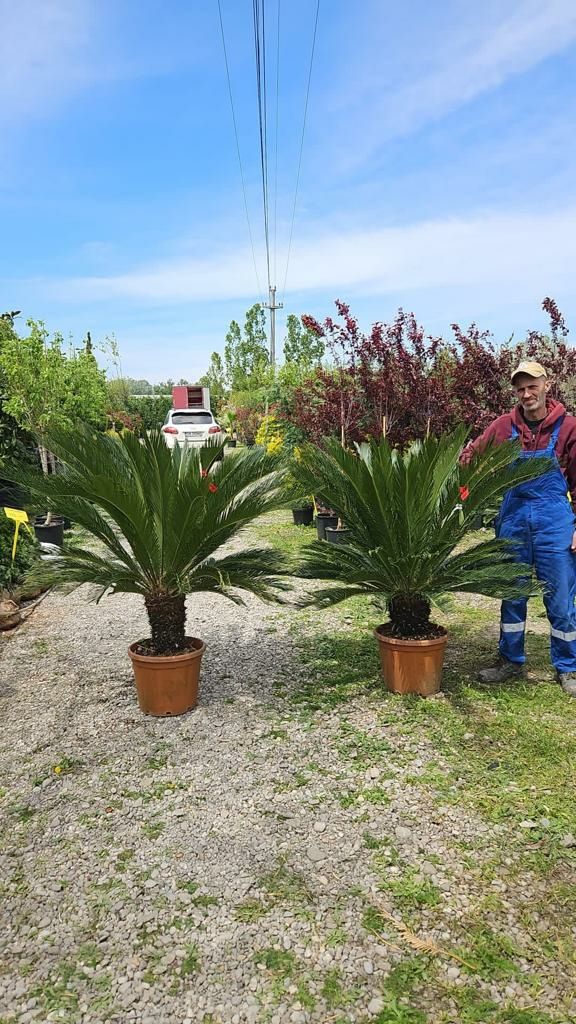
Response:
column 399, row 381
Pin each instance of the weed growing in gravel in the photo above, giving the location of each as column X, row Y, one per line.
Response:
column 370, row 842
column 297, row 781
column 251, row 911
column 89, row 954
column 191, row 961
column 398, row 1013
column 492, row 955
column 276, row 733
column 411, row 894
column 204, row 900
column 474, row 1008
column 336, row 937
column 156, row 761
column 335, row 993
column 199, row 899
column 407, row 974
column 22, row 812
column 304, row 996
column 364, row 749
column 153, row 829
column 123, row 859
column 284, row 884
column 56, row 995
column 279, row 961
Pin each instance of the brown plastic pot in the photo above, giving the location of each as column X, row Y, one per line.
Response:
column 411, row 666
column 167, row 685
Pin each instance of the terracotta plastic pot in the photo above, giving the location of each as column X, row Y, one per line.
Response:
column 167, row 685
column 323, row 520
column 411, row 666
column 303, row 516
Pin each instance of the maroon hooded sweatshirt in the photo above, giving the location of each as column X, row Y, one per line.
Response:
column 501, row 430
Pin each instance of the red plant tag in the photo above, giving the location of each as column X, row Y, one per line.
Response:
column 464, row 493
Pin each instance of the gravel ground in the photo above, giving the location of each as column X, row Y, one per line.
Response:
column 212, row 868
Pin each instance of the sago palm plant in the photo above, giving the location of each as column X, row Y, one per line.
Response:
column 408, row 513
column 159, row 518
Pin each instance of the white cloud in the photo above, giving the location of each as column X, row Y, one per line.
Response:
column 530, row 252
column 426, row 75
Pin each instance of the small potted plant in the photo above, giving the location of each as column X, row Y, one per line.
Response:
column 325, row 517
column 338, row 534
column 160, row 517
column 303, row 513
column 407, row 514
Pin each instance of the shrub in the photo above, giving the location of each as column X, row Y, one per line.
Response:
column 12, row 572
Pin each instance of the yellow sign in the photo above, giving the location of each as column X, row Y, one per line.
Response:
column 19, row 517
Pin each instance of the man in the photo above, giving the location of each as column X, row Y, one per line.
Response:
column 538, row 517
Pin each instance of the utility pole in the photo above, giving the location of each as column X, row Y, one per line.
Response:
column 272, row 305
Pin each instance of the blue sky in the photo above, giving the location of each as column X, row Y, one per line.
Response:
column 438, row 170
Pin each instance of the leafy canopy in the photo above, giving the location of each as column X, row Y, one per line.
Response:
column 46, row 386
column 408, row 514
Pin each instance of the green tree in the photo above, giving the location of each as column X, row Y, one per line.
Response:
column 302, row 346
column 15, row 443
column 215, row 379
column 246, row 357
column 45, row 388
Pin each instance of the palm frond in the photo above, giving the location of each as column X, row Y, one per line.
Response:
column 160, row 515
column 403, row 512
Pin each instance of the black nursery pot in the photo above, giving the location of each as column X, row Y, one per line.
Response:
column 53, row 534
column 12, row 496
column 323, row 521
column 335, row 536
column 303, row 516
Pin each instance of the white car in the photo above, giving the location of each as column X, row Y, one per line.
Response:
column 191, row 427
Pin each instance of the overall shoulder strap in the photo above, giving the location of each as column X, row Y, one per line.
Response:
column 556, row 431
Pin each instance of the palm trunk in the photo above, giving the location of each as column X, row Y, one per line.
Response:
column 43, row 452
column 409, row 615
column 167, row 617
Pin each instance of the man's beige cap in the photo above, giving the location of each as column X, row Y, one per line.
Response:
column 532, row 369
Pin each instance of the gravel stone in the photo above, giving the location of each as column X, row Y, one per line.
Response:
column 376, row 1005
column 315, row 854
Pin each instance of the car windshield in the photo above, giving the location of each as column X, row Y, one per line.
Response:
column 182, row 419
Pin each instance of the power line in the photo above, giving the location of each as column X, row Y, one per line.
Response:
column 260, row 56
column 238, row 148
column 276, row 123
column 301, row 145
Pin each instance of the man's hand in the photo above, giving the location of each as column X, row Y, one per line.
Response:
column 573, row 544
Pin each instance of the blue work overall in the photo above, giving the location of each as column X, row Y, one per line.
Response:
column 538, row 517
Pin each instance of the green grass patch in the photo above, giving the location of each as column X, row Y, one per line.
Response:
column 191, row 961
column 280, row 961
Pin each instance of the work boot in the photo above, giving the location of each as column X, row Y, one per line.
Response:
column 502, row 670
column 567, row 681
